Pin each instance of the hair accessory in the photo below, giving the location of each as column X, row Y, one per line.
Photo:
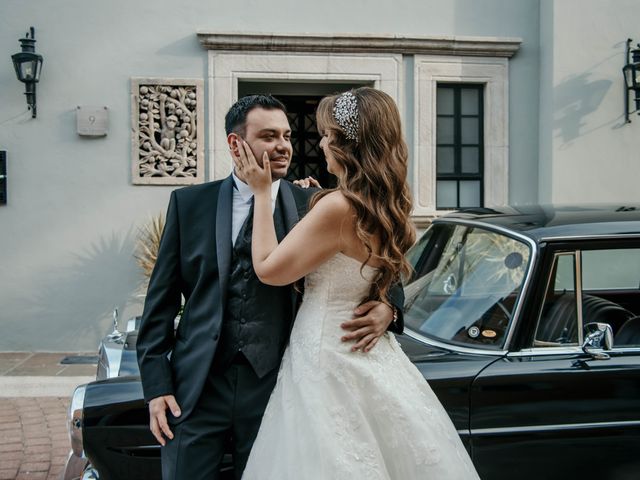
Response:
column 345, row 111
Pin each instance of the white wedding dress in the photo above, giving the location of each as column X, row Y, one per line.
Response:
column 336, row 414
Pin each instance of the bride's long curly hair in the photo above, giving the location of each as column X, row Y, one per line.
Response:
column 372, row 175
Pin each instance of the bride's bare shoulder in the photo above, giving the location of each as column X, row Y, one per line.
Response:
column 334, row 204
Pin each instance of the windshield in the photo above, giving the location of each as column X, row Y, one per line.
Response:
column 465, row 285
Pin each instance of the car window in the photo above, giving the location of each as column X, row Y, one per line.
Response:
column 609, row 294
column 415, row 253
column 558, row 322
column 467, row 291
column 611, row 269
column 565, row 278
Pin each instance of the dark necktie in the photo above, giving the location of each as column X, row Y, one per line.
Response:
column 244, row 235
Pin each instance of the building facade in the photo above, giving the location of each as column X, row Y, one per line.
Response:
column 503, row 102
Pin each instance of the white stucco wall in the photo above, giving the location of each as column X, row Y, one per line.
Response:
column 587, row 152
column 67, row 233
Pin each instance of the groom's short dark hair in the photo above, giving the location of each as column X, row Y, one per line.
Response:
column 236, row 118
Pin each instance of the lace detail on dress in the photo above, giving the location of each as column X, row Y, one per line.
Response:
column 337, row 414
column 356, row 459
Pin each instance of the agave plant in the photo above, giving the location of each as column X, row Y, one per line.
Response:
column 148, row 244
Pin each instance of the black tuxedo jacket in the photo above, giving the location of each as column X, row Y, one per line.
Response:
column 194, row 260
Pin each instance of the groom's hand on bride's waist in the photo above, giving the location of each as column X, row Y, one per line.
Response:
column 158, row 417
column 371, row 320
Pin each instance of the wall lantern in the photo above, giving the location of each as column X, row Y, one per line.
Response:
column 28, row 65
column 631, row 73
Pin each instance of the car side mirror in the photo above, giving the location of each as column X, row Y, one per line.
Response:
column 597, row 335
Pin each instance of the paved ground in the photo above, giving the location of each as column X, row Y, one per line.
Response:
column 35, row 391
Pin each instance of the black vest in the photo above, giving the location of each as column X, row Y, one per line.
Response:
column 258, row 317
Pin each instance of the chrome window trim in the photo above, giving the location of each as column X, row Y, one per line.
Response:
column 604, row 236
column 556, row 427
column 542, row 351
column 569, row 350
column 578, row 284
column 632, row 349
column 448, row 346
column 526, row 285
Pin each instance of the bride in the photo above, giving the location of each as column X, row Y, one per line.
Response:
column 334, row 413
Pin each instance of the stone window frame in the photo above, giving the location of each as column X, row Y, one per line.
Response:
column 493, row 73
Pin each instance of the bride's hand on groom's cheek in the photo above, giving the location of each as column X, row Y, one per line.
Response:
column 256, row 175
column 371, row 321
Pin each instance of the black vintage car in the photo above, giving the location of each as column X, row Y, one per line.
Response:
column 524, row 320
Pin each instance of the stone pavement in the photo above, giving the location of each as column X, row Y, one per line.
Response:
column 35, row 392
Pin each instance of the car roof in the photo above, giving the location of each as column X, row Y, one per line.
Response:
column 551, row 222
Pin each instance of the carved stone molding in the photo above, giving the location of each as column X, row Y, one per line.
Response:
column 350, row 43
column 167, row 117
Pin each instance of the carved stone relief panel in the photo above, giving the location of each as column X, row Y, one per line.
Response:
column 167, row 131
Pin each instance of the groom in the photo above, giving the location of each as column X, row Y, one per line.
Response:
column 209, row 382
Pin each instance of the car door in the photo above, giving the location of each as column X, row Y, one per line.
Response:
column 550, row 410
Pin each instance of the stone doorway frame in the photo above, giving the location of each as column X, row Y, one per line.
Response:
column 228, row 69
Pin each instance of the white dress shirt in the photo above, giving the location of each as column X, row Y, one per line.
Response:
column 242, row 196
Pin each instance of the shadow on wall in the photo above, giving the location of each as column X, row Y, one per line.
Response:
column 69, row 308
column 574, row 99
